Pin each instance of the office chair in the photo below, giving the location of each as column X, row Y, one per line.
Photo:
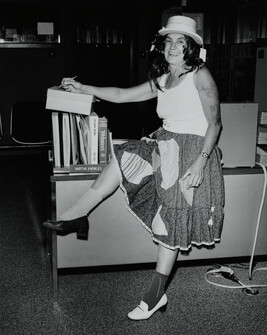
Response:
column 30, row 123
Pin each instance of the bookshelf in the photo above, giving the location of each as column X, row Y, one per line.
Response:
column 261, row 150
column 260, row 97
column 103, row 36
column 97, row 34
column 15, row 45
column 82, row 140
column 32, row 24
column 81, row 144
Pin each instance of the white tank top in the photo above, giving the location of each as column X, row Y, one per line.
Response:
column 180, row 107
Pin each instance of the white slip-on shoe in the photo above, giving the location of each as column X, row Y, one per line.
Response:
column 141, row 312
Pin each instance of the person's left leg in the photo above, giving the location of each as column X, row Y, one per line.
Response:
column 75, row 219
column 155, row 297
column 104, row 185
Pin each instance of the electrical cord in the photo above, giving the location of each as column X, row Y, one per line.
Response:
column 258, row 224
column 227, row 272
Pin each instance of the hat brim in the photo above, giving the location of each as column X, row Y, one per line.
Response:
column 196, row 37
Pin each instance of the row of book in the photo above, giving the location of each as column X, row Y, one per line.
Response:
column 261, row 154
column 81, row 139
column 81, row 143
column 262, row 134
column 261, row 149
column 262, row 119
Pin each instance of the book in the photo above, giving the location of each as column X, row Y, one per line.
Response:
column 262, row 118
column 78, row 141
column 84, row 135
column 110, row 145
column 56, row 139
column 262, row 135
column 262, row 130
column 85, row 120
column 61, row 100
column 82, row 139
column 86, row 168
column 66, row 141
column 61, row 170
column 102, row 140
column 75, row 156
column 261, row 150
column 93, row 125
column 261, row 154
column 261, row 159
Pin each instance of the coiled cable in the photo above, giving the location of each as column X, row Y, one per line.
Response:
column 227, row 272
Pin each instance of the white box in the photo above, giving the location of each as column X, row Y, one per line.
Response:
column 239, row 134
column 61, row 100
column 45, row 28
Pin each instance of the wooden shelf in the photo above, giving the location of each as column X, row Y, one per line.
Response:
column 28, row 45
column 101, row 45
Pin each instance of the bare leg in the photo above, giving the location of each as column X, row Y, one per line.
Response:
column 166, row 259
column 109, row 179
column 106, row 183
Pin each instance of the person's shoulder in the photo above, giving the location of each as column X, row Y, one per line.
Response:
column 161, row 79
column 202, row 77
column 202, row 72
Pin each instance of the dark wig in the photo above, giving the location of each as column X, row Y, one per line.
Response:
column 159, row 66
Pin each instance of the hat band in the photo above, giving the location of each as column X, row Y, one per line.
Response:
column 182, row 27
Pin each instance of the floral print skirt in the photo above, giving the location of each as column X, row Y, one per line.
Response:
column 151, row 171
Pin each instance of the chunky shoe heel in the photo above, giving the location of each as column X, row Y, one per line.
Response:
column 163, row 309
column 82, row 234
column 141, row 312
column 65, row 227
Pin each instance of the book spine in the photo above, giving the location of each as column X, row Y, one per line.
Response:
column 103, row 140
column 56, row 139
column 66, row 141
column 87, row 168
column 93, row 122
column 61, row 170
column 74, row 140
column 110, row 145
column 82, row 150
column 88, row 139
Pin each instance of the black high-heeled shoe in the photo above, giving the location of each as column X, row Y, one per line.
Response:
column 65, row 227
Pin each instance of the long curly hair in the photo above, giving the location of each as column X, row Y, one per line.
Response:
column 159, row 65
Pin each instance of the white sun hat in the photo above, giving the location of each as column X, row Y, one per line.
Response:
column 183, row 25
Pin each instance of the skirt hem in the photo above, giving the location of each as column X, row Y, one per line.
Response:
column 199, row 244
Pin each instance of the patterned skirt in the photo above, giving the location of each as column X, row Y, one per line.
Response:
column 151, row 171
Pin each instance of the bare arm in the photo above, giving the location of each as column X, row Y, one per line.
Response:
column 137, row 93
column 208, row 94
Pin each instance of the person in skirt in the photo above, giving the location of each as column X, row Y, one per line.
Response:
column 172, row 180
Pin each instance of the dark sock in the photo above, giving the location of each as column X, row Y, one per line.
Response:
column 156, row 290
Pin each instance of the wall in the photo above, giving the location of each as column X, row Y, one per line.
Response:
column 27, row 73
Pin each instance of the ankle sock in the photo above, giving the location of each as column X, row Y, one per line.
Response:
column 83, row 206
column 156, row 290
